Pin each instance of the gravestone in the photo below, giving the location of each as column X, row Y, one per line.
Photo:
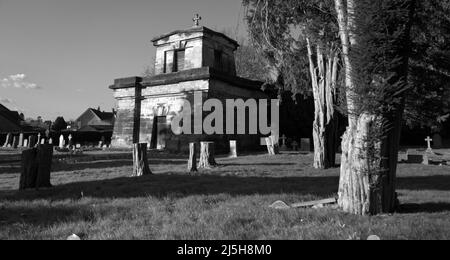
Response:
column 50, row 140
column 32, row 141
column 100, row 144
column 295, row 146
column 305, row 145
column 437, row 141
column 15, row 143
column 8, row 140
column 233, row 149
column 21, row 140
column 70, row 141
column 78, row 146
column 38, row 141
column 414, row 156
column 25, row 143
column 43, row 141
column 62, row 142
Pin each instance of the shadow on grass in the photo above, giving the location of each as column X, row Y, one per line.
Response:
column 436, row 182
column 104, row 164
column 178, row 186
column 424, row 208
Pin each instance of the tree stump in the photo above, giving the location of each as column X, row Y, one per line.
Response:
column 192, row 163
column 207, row 160
column 36, row 168
column 44, row 156
column 272, row 146
column 140, row 160
column 233, row 149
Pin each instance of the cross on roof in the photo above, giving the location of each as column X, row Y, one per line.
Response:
column 197, row 18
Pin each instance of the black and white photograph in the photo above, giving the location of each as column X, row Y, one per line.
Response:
column 202, row 121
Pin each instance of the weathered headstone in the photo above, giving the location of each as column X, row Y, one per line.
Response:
column 21, row 140
column 295, row 146
column 43, row 141
column 414, row 156
column 8, row 140
column 74, row 237
column 305, row 145
column 32, row 141
column 233, row 149
column 280, row 205
column 62, row 142
column 437, row 141
column 50, row 140
column 25, row 143
column 15, row 142
column 70, row 141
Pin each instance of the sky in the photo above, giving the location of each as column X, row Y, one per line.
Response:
column 58, row 57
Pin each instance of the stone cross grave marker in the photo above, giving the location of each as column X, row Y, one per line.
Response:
column 429, row 140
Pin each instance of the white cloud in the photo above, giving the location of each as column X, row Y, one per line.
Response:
column 6, row 101
column 18, row 81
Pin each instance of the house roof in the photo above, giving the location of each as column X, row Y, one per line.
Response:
column 104, row 116
column 9, row 120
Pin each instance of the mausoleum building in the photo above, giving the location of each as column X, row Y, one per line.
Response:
column 195, row 60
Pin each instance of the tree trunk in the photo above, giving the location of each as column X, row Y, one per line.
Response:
column 370, row 144
column 192, row 163
column 207, row 160
column 36, row 167
column 140, row 160
column 324, row 79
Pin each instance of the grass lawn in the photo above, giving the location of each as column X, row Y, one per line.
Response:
column 230, row 202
